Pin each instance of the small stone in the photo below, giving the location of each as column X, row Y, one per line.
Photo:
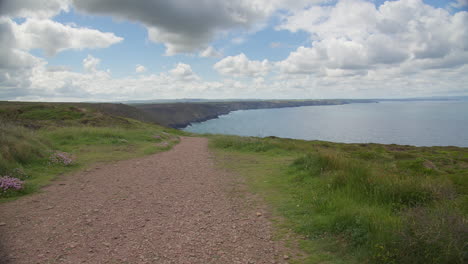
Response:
column 73, row 245
column 2, row 224
column 106, row 244
column 49, row 207
column 259, row 214
column 285, row 257
column 96, row 210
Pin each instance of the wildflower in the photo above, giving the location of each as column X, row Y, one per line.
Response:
column 10, row 183
column 62, row 158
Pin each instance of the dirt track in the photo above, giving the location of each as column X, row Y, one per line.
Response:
column 171, row 207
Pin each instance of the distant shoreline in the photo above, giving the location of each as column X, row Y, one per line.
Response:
column 181, row 115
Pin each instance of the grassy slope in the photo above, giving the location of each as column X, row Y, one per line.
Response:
column 30, row 133
column 358, row 203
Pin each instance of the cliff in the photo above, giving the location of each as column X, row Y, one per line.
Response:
column 180, row 115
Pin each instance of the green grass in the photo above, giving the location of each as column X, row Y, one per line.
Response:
column 29, row 134
column 363, row 203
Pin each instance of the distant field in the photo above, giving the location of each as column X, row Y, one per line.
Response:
column 360, row 203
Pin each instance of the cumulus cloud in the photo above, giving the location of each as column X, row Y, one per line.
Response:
column 33, row 8
column 18, row 66
column 54, row 37
column 401, row 48
column 140, row 68
column 188, row 26
column 183, row 26
column 211, row 52
column 355, row 35
column 90, row 64
column 241, row 66
column 184, row 72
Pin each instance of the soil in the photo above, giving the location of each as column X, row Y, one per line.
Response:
column 171, row 207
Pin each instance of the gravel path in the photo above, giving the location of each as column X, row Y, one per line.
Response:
column 171, row 207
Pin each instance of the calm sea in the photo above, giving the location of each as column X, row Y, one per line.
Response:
column 428, row 123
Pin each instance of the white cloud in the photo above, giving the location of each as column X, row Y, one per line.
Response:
column 354, row 36
column 53, row 37
column 33, row 8
column 241, row 66
column 184, row 72
column 90, row 64
column 211, row 52
column 140, row 68
column 17, row 66
column 402, row 48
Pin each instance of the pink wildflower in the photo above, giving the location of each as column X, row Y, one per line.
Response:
column 62, row 158
column 10, row 183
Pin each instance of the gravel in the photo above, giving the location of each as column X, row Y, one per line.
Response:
column 171, row 207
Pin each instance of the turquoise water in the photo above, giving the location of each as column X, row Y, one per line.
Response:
column 428, row 123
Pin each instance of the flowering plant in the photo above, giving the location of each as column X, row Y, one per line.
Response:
column 62, row 158
column 10, row 183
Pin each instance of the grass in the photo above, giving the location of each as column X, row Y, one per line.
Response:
column 349, row 203
column 362, row 203
column 31, row 133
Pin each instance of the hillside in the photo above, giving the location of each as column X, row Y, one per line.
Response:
column 39, row 141
column 99, row 114
column 180, row 115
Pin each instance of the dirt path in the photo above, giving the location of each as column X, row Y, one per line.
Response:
column 172, row 207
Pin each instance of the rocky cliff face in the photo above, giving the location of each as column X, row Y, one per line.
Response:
column 180, row 115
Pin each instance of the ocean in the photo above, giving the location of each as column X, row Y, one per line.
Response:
column 417, row 123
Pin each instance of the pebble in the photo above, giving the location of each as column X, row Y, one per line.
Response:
column 285, row 257
column 259, row 214
column 2, row 224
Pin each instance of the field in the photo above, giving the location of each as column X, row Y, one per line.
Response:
column 359, row 203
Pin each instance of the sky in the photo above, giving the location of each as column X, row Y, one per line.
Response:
column 119, row 50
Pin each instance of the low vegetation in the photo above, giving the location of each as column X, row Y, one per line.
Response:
column 40, row 141
column 361, row 202
column 350, row 203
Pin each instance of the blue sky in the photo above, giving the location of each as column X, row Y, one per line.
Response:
column 82, row 50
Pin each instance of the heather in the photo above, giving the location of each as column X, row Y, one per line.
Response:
column 360, row 203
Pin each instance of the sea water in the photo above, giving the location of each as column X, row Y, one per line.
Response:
column 418, row 123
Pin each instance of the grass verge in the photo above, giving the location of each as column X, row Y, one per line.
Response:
column 360, row 203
